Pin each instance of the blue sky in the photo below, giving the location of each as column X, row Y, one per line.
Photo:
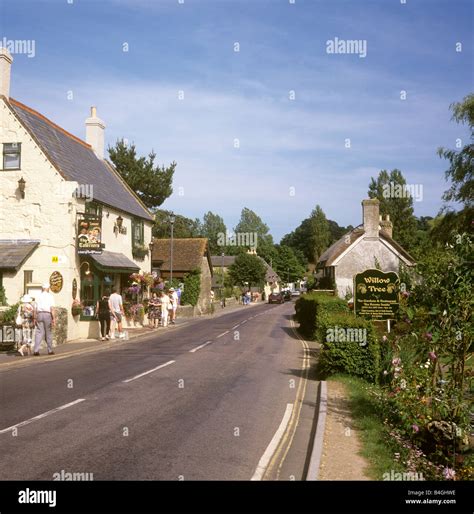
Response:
column 292, row 152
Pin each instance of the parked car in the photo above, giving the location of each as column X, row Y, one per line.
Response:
column 286, row 296
column 275, row 298
column 296, row 292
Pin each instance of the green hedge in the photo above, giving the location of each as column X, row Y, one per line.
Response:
column 314, row 306
column 350, row 345
column 192, row 288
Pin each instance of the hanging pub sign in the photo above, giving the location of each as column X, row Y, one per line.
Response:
column 56, row 282
column 89, row 235
column 376, row 294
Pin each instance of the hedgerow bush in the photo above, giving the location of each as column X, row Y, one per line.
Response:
column 350, row 345
column 192, row 288
column 311, row 307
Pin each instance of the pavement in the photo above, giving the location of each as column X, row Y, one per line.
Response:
column 228, row 397
column 81, row 346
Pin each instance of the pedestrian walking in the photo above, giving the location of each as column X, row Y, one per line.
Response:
column 104, row 316
column 44, row 319
column 26, row 315
column 165, row 305
column 116, row 307
column 154, row 311
column 174, row 303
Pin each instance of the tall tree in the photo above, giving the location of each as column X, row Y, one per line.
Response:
column 460, row 173
column 251, row 223
column 311, row 237
column 182, row 227
column 398, row 203
column 287, row 265
column 152, row 183
column 247, row 268
column 212, row 226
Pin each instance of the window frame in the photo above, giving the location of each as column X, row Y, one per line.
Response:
column 17, row 152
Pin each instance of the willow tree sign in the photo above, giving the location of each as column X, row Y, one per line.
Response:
column 376, row 294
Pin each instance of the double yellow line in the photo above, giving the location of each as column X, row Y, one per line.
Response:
column 278, row 458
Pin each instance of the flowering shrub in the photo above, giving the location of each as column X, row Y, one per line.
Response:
column 76, row 307
column 426, row 358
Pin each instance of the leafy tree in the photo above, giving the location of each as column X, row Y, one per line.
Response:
column 311, row 237
column 152, row 183
column 247, row 268
column 460, row 173
column 192, row 288
column 287, row 265
column 461, row 167
column 400, row 208
column 250, row 223
column 320, row 234
column 183, row 227
column 211, row 227
column 337, row 231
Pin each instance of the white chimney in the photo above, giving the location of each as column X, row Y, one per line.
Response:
column 371, row 217
column 95, row 130
column 5, row 67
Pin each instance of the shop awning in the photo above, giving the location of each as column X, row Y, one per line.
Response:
column 113, row 262
column 14, row 252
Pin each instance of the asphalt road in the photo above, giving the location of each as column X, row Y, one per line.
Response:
column 204, row 413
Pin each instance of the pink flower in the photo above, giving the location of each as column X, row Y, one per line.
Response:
column 449, row 473
column 396, row 361
column 415, row 428
column 433, row 356
column 429, row 336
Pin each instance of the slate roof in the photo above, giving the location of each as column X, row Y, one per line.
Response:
column 187, row 253
column 114, row 260
column 341, row 245
column 76, row 161
column 13, row 253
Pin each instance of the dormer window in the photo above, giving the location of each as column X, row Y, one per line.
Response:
column 11, row 156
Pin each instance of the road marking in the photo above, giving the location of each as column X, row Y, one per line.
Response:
column 263, row 462
column 223, row 334
column 245, row 321
column 287, row 439
column 148, row 372
column 201, row 346
column 233, row 328
column 40, row 416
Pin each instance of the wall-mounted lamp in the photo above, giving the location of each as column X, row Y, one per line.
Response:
column 151, row 244
column 21, row 187
column 118, row 227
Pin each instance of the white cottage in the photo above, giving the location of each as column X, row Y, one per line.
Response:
column 66, row 215
column 367, row 246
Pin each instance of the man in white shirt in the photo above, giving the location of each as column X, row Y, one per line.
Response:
column 174, row 302
column 165, row 305
column 116, row 307
column 44, row 319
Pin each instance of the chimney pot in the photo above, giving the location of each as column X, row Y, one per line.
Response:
column 370, row 216
column 5, row 70
column 95, row 133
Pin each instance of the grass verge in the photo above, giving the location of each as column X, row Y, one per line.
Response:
column 378, row 448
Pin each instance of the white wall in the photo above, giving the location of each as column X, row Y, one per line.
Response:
column 48, row 213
